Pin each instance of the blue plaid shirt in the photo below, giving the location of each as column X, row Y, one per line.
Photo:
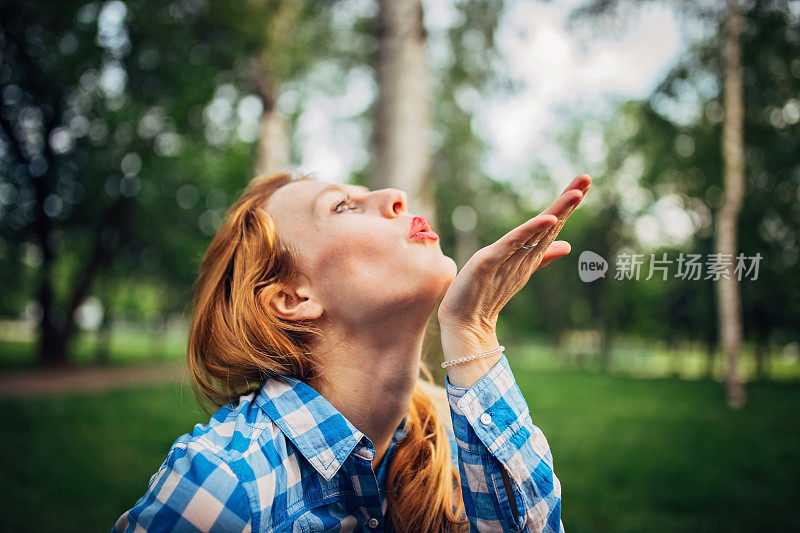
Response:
column 282, row 458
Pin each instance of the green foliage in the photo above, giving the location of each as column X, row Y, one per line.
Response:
column 684, row 157
column 668, row 147
column 456, row 162
column 149, row 171
column 144, row 165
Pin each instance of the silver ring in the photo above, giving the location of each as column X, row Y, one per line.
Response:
column 529, row 247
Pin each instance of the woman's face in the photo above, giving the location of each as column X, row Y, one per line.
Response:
column 355, row 246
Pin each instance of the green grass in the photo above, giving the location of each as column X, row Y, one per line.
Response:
column 667, row 455
column 648, row 358
column 632, row 454
column 133, row 344
column 128, row 346
column 75, row 463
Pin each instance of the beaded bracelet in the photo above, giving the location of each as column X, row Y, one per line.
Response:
column 471, row 357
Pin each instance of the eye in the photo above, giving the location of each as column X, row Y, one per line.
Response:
column 344, row 201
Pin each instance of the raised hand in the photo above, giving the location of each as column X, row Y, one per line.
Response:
column 494, row 274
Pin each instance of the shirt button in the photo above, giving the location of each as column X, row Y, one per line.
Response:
column 486, row 419
column 372, row 523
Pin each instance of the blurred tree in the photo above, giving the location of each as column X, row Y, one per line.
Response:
column 601, row 226
column 474, row 209
column 402, row 110
column 771, row 212
column 679, row 137
column 733, row 117
column 37, row 100
column 127, row 128
column 272, row 65
column 729, row 300
column 284, row 39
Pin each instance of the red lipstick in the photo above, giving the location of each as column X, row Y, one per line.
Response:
column 421, row 229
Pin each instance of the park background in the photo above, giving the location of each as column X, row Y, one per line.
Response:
column 127, row 129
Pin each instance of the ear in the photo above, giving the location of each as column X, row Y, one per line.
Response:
column 292, row 300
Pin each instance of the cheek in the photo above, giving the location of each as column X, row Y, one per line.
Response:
column 356, row 252
column 369, row 273
column 361, row 255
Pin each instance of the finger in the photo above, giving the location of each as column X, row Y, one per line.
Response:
column 564, row 202
column 554, row 251
column 549, row 237
column 564, row 199
column 512, row 241
column 580, row 183
column 563, row 206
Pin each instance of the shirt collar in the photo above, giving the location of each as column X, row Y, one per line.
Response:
column 319, row 431
column 383, row 468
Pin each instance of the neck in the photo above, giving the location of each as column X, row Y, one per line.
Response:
column 370, row 376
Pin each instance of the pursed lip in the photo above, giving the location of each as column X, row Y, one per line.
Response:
column 420, row 225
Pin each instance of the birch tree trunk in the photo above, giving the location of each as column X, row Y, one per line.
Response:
column 728, row 294
column 272, row 148
column 402, row 119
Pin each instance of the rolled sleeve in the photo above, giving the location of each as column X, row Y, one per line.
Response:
column 494, row 433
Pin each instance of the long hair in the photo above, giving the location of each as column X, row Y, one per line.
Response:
column 236, row 342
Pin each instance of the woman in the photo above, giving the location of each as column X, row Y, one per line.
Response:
column 309, row 317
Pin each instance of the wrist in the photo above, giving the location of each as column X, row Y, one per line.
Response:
column 465, row 340
column 476, row 327
column 466, row 375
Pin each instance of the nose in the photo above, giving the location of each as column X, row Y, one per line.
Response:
column 393, row 202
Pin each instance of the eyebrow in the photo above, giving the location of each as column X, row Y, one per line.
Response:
column 334, row 188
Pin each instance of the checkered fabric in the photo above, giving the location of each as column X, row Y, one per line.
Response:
column 494, row 432
column 282, row 458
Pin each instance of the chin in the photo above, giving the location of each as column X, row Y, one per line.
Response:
column 430, row 279
column 452, row 268
column 447, row 273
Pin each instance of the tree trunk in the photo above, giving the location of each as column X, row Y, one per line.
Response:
column 52, row 345
column 728, row 295
column 402, row 116
column 57, row 330
column 272, row 148
column 710, row 358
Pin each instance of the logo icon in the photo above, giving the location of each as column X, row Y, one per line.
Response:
column 591, row 266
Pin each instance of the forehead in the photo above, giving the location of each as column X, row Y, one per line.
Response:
column 294, row 193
